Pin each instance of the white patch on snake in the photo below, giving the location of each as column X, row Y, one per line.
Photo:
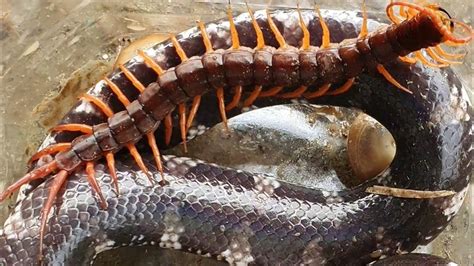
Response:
column 332, row 197
column 238, row 252
column 312, row 254
column 454, row 203
column 265, row 183
column 107, row 245
column 173, row 230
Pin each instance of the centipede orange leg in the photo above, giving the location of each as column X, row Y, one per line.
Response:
column 58, row 181
column 220, row 99
column 235, row 99
column 425, row 61
column 168, row 121
column 109, row 157
column 406, row 59
column 320, row 92
column 86, row 129
column 182, row 124
column 150, row 62
column 38, row 173
column 260, row 44
column 294, row 94
column 431, row 52
column 138, row 159
column 253, row 96
column 116, row 90
column 182, row 107
column 156, row 155
column 344, row 88
column 150, row 137
column 363, row 29
column 131, row 147
column 136, row 83
column 219, row 91
column 326, row 42
column 94, row 185
column 99, row 103
column 193, row 111
column 382, row 70
column 51, row 149
column 305, row 44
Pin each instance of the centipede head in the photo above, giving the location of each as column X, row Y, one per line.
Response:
column 455, row 32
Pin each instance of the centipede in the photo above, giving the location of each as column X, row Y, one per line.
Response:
column 145, row 94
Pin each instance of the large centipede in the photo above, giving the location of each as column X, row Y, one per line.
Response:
column 260, row 71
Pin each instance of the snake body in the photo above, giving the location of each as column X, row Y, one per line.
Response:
column 245, row 218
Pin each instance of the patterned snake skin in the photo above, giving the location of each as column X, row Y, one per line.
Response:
column 248, row 218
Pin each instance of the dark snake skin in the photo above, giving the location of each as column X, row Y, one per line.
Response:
column 246, row 218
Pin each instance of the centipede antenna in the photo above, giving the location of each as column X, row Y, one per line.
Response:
column 150, row 62
column 275, row 30
column 205, row 37
column 258, row 30
column 391, row 14
column 402, row 12
column 58, row 181
column 182, row 124
column 138, row 159
column 37, row 173
column 318, row 93
column 156, row 155
column 179, row 50
column 193, row 111
column 99, row 103
column 382, row 70
column 117, row 91
column 83, row 128
column 168, row 121
column 109, row 157
column 425, row 61
column 326, row 42
column 344, row 88
column 220, row 100
column 233, row 30
column 253, row 96
column 363, row 28
column 305, row 43
column 51, row 149
column 94, row 185
column 136, row 83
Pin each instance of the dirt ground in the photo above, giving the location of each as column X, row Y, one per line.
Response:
column 42, row 42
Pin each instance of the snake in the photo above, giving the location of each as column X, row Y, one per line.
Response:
column 247, row 218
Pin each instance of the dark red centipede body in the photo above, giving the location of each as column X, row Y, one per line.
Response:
column 266, row 67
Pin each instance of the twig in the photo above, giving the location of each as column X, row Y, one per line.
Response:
column 408, row 193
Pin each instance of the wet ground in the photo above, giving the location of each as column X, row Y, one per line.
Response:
column 43, row 42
